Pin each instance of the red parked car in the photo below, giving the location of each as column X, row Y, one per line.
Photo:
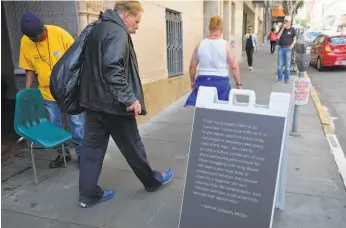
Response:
column 328, row 51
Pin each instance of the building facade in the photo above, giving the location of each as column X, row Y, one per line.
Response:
column 277, row 13
column 164, row 43
column 327, row 14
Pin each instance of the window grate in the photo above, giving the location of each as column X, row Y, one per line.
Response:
column 174, row 34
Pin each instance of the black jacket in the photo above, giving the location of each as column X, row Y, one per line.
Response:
column 110, row 79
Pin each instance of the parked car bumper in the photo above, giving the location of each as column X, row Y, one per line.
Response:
column 332, row 59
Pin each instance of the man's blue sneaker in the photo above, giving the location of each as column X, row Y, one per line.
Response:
column 167, row 175
column 107, row 195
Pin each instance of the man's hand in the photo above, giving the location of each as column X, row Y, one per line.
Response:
column 135, row 107
column 292, row 46
column 239, row 87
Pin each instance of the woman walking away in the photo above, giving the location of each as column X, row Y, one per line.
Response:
column 251, row 43
column 272, row 38
column 214, row 57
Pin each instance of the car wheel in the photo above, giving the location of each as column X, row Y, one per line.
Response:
column 319, row 64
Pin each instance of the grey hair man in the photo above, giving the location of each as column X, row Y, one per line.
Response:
column 112, row 94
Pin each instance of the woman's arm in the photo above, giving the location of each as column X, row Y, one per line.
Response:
column 246, row 36
column 256, row 43
column 234, row 66
column 193, row 67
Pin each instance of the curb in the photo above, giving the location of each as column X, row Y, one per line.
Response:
column 325, row 122
column 334, row 145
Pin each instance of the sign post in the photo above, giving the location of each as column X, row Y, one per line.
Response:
column 301, row 85
column 234, row 167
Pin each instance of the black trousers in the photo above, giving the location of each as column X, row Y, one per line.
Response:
column 249, row 54
column 272, row 46
column 123, row 129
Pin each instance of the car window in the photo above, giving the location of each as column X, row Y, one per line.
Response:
column 316, row 40
column 337, row 40
column 321, row 40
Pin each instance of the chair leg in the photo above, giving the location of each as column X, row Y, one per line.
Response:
column 64, row 154
column 33, row 162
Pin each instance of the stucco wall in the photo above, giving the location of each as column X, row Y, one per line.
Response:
column 150, row 41
column 150, row 46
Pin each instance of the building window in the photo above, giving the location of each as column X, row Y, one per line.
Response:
column 174, row 34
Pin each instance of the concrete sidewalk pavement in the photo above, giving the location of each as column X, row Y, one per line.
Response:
column 315, row 196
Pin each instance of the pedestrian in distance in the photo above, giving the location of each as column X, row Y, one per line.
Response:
column 250, row 45
column 272, row 38
column 287, row 40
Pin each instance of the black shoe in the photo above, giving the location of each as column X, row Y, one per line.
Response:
column 59, row 161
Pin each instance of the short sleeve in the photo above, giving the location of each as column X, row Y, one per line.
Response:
column 294, row 32
column 67, row 39
column 24, row 62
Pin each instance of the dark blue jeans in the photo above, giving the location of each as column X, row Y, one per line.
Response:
column 284, row 59
column 75, row 123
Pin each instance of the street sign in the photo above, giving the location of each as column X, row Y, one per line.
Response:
column 236, row 154
column 301, row 91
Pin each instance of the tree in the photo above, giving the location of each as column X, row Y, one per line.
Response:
column 302, row 22
column 291, row 7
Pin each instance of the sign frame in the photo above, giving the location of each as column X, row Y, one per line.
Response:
column 279, row 106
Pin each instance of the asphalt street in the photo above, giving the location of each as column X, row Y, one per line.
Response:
column 330, row 85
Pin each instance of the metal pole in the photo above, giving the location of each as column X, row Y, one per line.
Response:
column 294, row 131
column 13, row 145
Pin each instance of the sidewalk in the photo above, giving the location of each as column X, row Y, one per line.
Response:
column 315, row 195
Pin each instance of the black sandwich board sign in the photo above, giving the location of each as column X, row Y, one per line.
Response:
column 234, row 162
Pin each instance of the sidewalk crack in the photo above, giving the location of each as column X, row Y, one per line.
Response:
column 50, row 219
column 317, row 196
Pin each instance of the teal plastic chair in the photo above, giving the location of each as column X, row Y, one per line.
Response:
column 31, row 123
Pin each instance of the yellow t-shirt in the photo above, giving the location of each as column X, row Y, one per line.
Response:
column 36, row 57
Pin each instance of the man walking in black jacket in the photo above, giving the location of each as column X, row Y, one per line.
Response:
column 112, row 94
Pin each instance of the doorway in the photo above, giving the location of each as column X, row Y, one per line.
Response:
column 8, row 88
column 226, row 19
column 244, row 23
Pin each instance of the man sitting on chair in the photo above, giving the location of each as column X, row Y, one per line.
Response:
column 41, row 48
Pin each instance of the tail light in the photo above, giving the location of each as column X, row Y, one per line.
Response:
column 327, row 48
